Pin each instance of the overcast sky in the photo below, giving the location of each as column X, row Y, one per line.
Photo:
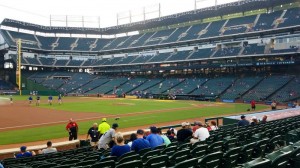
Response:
column 39, row 11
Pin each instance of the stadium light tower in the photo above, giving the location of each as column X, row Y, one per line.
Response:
column 196, row 6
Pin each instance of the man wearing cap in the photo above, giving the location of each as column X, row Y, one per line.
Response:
column 103, row 127
column 154, row 139
column 140, row 143
column 201, row 133
column 107, row 137
column 196, row 126
column 184, row 133
column 72, row 129
column 24, row 153
column 93, row 134
column 243, row 121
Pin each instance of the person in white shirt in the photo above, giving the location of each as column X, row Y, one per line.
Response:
column 49, row 149
column 201, row 133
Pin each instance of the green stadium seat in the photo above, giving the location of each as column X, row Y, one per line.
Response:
column 211, row 160
column 258, row 163
column 246, row 153
column 160, row 147
column 143, row 151
column 279, row 159
column 187, row 163
column 230, row 157
column 198, row 143
column 62, row 166
column 178, row 156
column 215, row 147
column 113, row 158
column 70, row 161
column 199, row 151
column 157, row 161
column 55, row 155
column 169, row 150
column 131, row 153
column 46, row 165
column 229, row 143
column 184, row 146
column 273, row 143
column 174, row 143
column 86, row 163
column 129, row 158
column 92, row 157
column 132, row 164
column 150, row 154
column 259, row 148
column 106, row 164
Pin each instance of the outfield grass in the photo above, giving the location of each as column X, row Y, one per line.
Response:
column 118, row 106
column 58, row 131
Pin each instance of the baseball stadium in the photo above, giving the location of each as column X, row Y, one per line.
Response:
column 187, row 84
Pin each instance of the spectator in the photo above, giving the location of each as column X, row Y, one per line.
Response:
column 207, row 126
column 154, row 139
column 24, row 153
column 103, row 127
column 170, row 135
column 1, row 166
column 120, row 148
column 132, row 138
column 243, row 121
column 196, row 126
column 200, row 134
column 264, row 119
column 184, row 133
column 107, row 137
column 72, row 129
column 254, row 121
column 213, row 125
column 49, row 149
column 165, row 138
column 93, row 134
column 140, row 143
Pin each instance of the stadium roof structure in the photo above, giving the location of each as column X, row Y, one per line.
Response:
column 219, row 10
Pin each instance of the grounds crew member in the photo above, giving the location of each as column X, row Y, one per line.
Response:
column 103, row 127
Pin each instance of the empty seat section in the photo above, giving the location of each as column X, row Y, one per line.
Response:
column 268, row 86
column 202, row 53
column 213, row 29
column 164, row 86
column 141, row 41
column 186, row 86
column 112, row 85
column 231, row 51
column 291, row 18
column 84, row 44
column 252, row 49
column 65, row 43
column 193, row 32
column 240, row 87
column 176, row 35
column 159, row 36
column 160, row 57
column 266, row 21
column 213, row 87
column 289, row 92
column 180, row 55
column 46, row 61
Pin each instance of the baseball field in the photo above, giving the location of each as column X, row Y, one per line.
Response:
column 21, row 122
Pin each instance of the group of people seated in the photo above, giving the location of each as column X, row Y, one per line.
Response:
column 116, row 143
column 253, row 121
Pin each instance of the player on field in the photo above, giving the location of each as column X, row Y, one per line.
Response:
column 59, row 99
column 11, row 99
column 38, row 100
column 30, row 99
column 72, row 129
column 50, row 98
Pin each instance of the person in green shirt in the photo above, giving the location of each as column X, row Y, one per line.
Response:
column 165, row 138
